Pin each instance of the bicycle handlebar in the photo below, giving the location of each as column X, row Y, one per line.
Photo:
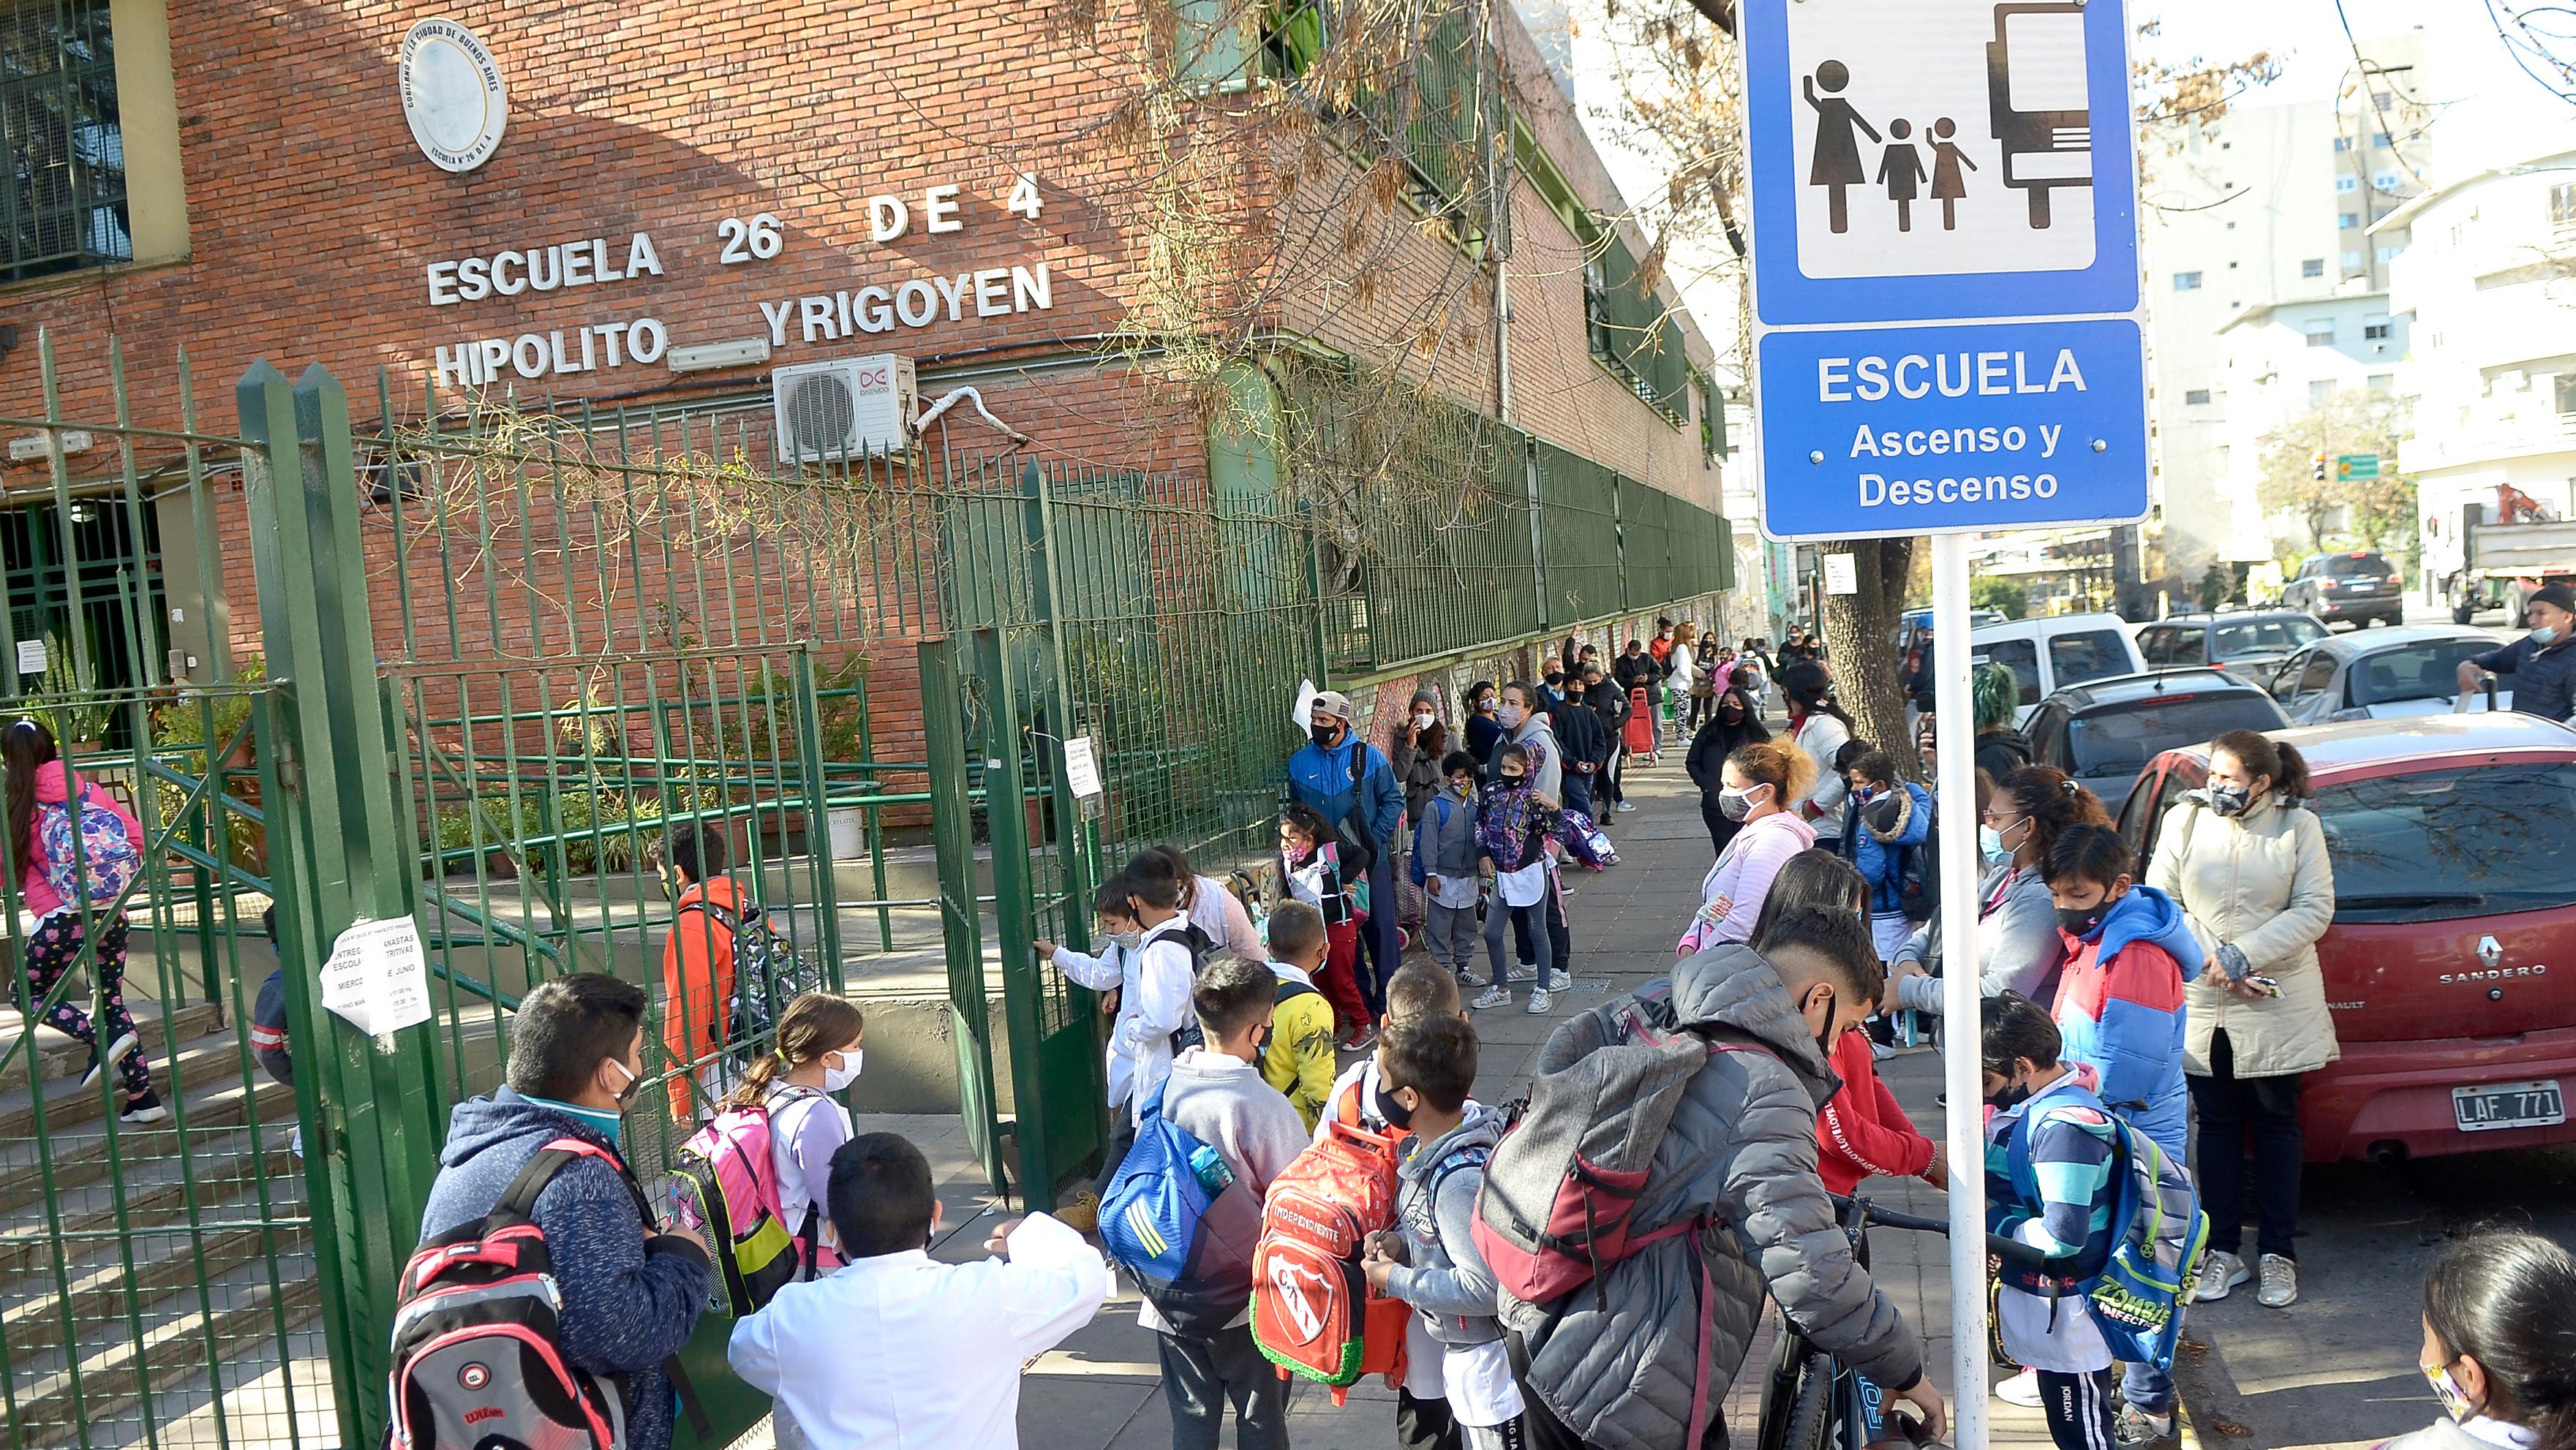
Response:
column 1996, row 1244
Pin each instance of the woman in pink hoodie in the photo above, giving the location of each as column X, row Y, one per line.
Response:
column 39, row 787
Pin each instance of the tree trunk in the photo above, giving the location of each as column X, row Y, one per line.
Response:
column 1859, row 633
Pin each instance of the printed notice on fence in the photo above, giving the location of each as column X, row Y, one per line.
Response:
column 1081, row 766
column 378, row 977
column 31, row 656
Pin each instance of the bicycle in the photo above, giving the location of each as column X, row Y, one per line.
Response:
column 1810, row 1401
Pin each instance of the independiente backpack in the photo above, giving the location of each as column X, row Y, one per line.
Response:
column 1153, row 1223
column 724, row 1180
column 106, row 861
column 475, row 1357
column 1313, row 1313
column 2159, row 1235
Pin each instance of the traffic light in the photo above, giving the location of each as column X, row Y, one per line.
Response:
column 2317, row 467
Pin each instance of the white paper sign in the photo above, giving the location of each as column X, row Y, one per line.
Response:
column 1081, row 766
column 31, row 656
column 1841, row 575
column 1304, row 714
column 378, row 977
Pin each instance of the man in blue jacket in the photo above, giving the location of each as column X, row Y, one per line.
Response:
column 2542, row 663
column 631, row 1290
column 1351, row 785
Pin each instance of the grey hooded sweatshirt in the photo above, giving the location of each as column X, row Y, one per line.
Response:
column 1444, row 1278
column 1741, row 1154
column 2018, row 946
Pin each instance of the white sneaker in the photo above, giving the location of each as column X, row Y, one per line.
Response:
column 2280, row 1282
column 2022, row 1389
column 116, row 1053
column 1627, row 805
column 1494, row 997
column 1881, row 1052
column 1560, row 982
column 2220, row 1272
column 1538, row 1002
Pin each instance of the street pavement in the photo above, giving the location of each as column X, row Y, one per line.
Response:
column 1101, row 1388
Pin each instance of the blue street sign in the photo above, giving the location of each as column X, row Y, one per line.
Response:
column 1966, row 164
column 1922, row 430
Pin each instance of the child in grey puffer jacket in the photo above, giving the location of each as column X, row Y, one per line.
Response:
column 1426, row 1066
column 1445, row 853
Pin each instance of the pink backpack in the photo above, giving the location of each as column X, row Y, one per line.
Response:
column 725, row 1183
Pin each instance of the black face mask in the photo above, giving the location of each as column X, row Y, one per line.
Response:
column 1824, row 1039
column 1326, row 736
column 1397, row 1115
column 2080, row 921
column 2012, row 1096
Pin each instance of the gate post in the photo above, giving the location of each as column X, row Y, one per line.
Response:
column 339, row 853
column 952, row 827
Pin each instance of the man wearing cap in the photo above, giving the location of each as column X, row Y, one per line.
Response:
column 2542, row 663
column 1352, row 785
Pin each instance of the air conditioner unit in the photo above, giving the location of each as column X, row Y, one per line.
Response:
column 849, row 407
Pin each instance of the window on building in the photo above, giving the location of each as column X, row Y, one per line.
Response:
column 2347, row 222
column 2352, row 261
column 2562, row 207
column 2380, row 140
column 2347, row 183
column 2313, row 267
column 2389, row 254
column 1712, row 417
column 2321, row 391
column 2376, row 329
column 2382, row 100
column 2195, row 397
column 2566, row 391
column 2342, row 144
column 2186, row 281
column 2383, row 383
column 2321, row 333
column 2383, row 180
column 65, row 204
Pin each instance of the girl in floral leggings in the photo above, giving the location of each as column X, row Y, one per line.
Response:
column 38, row 778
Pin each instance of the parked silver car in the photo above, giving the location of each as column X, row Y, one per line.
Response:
column 2381, row 673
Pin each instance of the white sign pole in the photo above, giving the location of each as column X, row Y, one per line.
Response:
column 1955, row 740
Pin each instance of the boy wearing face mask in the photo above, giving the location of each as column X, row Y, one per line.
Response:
column 631, row 1291
column 1153, row 1004
column 2063, row 1210
column 1444, row 865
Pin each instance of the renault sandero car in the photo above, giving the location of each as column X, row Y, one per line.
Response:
column 2450, row 968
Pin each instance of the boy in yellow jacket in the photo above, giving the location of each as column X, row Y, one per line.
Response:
column 1299, row 1060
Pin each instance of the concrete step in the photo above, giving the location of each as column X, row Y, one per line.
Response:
column 86, row 1298
column 62, row 1056
column 151, row 1193
column 209, row 1063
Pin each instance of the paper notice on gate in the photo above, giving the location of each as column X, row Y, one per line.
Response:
column 378, row 977
column 31, row 656
column 1081, row 766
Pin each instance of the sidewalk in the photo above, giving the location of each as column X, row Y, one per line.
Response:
column 1101, row 1388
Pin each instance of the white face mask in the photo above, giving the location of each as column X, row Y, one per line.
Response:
column 1510, row 715
column 1422, row 721
column 837, row 1078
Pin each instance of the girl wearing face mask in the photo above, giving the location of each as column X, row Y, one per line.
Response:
column 1483, row 730
column 2500, row 1346
column 816, row 1056
column 1732, row 724
column 1760, row 789
column 1310, row 865
column 2247, row 862
column 2019, row 948
column 1821, row 729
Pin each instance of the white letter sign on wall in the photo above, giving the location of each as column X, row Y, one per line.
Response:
column 452, row 95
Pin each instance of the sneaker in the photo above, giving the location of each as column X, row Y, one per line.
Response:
column 1494, row 997
column 1626, row 806
column 1362, row 1038
column 2021, row 1389
column 2280, row 1282
column 1881, row 1052
column 2220, row 1272
column 144, row 1107
column 1083, row 1214
column 1537, row 1002
column 2135, row 1429
column 117, row 1051
column 1466, row 978
column 1559, row 982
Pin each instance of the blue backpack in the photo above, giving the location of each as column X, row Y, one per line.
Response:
column 2158, row 1236
column 1153, row 1222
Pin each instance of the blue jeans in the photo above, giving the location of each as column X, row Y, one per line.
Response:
column 2148, row 1388
column 1578, row 791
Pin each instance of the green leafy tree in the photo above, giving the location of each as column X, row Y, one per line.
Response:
column 2349, row 421
column 2001, row 595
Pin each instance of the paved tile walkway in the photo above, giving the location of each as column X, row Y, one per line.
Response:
column 1101, row 1388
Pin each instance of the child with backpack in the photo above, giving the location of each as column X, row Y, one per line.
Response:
column 1513, row 829
column 1444, row 865
column 781, row 1113
column 898, row 1348
column 2119, row 1014
column 698, row 964
column 1886, row 821
column 1310, row 867
column 1184, row 1213
column 77, row 849
column 2053, row 1164
column 1429, row 1260
column 1299, row 1060
column 1153, row 1001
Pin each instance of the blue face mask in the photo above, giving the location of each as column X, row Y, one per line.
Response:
column 1990, row 845
column 603, row 1121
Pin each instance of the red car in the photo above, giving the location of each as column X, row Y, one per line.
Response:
column 2451, row 964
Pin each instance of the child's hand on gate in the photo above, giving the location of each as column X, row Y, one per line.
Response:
column 1045, row 950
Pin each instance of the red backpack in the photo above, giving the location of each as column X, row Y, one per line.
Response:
column 1313, row 1313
